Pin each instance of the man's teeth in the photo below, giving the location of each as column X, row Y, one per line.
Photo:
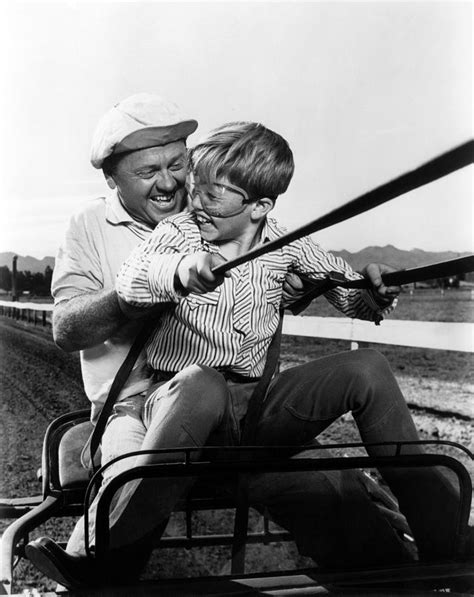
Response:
column 162, row 198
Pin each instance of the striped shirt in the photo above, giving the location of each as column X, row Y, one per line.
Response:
column 232, row 326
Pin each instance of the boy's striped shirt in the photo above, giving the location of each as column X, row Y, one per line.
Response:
column 231, row 326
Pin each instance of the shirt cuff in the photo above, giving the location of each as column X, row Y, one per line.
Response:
column 161, row 276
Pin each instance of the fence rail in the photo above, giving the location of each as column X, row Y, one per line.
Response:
column 420, row 334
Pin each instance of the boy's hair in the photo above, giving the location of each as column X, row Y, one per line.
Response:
column 251, row 156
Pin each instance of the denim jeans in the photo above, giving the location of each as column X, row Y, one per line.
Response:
column 330, row 514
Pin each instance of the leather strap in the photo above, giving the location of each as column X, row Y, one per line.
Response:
column 248, row 438
column 448, row 162
column 117, row 385
column 258, row 395
column 442, row 269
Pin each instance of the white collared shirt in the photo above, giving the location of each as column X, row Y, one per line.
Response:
column 100, row 236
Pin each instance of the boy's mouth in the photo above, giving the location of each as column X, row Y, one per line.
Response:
column 202, row 219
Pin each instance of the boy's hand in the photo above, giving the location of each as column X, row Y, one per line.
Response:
column 382, row 294
column 194, row 272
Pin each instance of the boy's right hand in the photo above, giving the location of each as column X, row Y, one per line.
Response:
column 194, row 272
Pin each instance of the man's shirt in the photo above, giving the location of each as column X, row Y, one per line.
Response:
column 232, row 326
column 98, row 240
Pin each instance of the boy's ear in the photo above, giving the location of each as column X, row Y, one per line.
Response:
column 110, row 181
column 262, row 206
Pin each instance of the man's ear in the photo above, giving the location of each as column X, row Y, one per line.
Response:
column 110, row 181
column 262, row 206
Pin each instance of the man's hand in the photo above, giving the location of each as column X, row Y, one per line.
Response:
column 194, row 272
column 383, row 294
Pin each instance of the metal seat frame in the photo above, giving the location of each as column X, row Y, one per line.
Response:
column 57, row 501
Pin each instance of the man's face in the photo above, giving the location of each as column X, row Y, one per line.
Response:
column 150, row 182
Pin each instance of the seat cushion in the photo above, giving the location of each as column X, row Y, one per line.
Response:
column 72, row 473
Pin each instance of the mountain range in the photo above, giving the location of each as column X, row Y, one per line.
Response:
column 389, row 254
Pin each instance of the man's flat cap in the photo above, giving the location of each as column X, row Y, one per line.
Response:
column 138, row 122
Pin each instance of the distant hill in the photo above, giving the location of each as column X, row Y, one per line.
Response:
column 389, row 254
column 396, row 257
column 28, row 263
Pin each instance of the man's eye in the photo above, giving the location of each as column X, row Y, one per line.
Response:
column 146, row 174
column 176, row 167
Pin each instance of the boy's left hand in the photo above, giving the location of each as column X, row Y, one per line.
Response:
column 383, row 294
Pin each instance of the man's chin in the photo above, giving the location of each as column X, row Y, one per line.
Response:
column 160, row 210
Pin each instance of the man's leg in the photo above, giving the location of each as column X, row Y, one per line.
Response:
column 303, row 401
column 124, row 433
column 179, row 413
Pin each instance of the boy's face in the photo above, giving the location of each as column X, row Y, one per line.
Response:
column 223, row 211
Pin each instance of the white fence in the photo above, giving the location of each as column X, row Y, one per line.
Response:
column 422, row 334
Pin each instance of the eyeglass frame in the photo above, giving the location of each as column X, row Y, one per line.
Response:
column 245, row 196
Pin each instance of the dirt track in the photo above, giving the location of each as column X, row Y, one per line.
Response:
column 39, row 382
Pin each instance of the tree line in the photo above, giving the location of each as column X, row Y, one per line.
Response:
column 37, row 284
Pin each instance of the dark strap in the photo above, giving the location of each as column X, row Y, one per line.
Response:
column 248, row 438
column 257, row 399
column 448, row 162
column 442, row 269
column 117, row 385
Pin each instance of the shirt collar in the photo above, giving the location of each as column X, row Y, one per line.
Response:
column 116, row 213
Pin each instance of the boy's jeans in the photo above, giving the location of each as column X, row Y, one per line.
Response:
column 330, row 514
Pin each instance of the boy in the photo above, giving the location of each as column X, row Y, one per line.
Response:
column 209, row 353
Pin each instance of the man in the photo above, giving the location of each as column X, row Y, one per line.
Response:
column 140, row 146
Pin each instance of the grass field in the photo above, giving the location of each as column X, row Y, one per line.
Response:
column 455, row 305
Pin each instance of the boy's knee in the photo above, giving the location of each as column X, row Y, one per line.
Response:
column 369, row 367
column 204, row 387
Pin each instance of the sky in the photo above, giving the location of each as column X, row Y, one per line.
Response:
column 362, row 91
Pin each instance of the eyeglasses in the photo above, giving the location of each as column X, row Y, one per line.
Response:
column 219, row 199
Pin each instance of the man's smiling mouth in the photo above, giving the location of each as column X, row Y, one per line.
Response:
column 162, row 199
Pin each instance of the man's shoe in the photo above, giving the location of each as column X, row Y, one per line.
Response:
column 73, row 571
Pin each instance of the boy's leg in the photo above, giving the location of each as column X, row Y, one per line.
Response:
column 331, row 516
column 183, row 412
column 303, row 401
column 329, row 513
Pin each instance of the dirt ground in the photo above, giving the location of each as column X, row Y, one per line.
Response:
column 38, row 382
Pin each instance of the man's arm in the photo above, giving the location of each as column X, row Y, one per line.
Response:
column 87, row 320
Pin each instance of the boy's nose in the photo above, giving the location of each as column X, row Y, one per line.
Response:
column 196, row 201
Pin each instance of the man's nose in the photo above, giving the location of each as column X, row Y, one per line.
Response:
column 165, row 182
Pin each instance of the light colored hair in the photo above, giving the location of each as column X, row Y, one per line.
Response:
column 249, row 155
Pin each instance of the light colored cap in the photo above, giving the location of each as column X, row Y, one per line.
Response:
column 139, row 121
